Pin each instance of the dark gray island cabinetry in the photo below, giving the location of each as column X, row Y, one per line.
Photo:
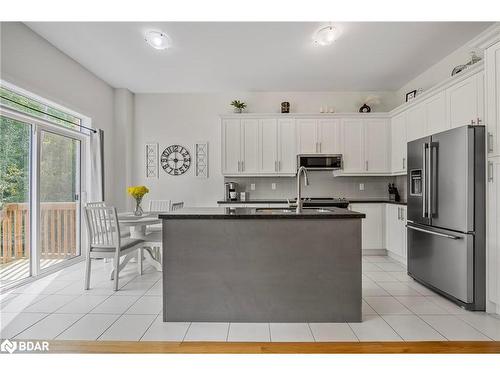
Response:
column 261, row 265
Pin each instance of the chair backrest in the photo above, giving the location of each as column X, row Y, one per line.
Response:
column 96, row 204
column 177, row 206
column 102, row 227
column 159, row 205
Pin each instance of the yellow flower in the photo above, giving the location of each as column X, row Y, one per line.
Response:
column 137, row 191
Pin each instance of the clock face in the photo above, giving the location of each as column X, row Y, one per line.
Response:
column 175, row 160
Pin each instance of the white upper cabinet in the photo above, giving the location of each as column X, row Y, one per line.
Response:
column 352, row 136
column 258, row 147
column 398, row 143
column 416, row 123
column 435, row 113
column 307, row 139
column 250, row 141
column 492, row 57
column 287, row 153
column 377, row 145
column 318, row 136
column 328, row 136
column 268, row 142
column 231, row 150
column 464, row 102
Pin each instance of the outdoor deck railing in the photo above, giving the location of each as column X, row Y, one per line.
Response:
column 57, row 231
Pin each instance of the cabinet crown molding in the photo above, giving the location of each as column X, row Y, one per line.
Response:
column 474, row 69
column 303, row 115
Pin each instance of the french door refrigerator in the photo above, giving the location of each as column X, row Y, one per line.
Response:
column 446, row 214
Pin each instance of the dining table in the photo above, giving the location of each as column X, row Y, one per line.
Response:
column 137, row 226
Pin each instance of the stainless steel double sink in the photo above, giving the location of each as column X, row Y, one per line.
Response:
column 291, row 210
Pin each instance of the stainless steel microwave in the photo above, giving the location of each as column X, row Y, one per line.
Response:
column 320, row 161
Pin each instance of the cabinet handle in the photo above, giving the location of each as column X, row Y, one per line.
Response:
column 479, row 120
column 366, row 164
column 404, row 163
column 399, row 213
column 320, row 146
column 490, row 171
column 239, row 166
column 490, row 142
column 279, row 165
column 242, row 165
column 317, row 148
column 472, row 122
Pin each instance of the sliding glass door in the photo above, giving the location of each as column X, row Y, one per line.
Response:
column 41, row 176
column 59, row 192
column 15, row 193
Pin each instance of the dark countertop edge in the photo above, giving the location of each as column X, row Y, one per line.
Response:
column 376, row 201
column 264, row 201
column 254, row 201
column 261, row 217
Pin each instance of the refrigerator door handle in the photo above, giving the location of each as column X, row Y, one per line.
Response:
column 435, row 233
column 430, row 179
column 424, row 179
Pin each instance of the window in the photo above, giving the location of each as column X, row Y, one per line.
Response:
column 35, row 108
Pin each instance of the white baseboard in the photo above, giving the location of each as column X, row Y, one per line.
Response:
column 373, row 252
column 396, row 257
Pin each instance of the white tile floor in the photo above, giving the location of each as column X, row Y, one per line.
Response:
column 395, row 308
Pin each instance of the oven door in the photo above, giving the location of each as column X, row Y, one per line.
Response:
column 319, row 162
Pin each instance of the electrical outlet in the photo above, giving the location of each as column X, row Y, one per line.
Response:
column 252, row 186
column 361, row 187
column 273, row 186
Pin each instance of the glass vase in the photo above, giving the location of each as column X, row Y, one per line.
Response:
column 138, row 209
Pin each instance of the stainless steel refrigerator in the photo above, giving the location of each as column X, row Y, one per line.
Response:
column 446, row 214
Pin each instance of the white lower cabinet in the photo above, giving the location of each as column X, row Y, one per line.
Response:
column 493, row 234
column 372, row 231
column 395, row 231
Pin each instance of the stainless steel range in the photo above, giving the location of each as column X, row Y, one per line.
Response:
column 446, row 214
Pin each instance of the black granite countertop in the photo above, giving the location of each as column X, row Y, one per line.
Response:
column 255, row 201
column 259, row 213
column 375, row 200
column 281, row 201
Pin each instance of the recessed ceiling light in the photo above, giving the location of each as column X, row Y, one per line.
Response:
column 157, row 39
column 326, row 36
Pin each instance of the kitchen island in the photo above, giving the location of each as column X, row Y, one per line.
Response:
column 261, row 265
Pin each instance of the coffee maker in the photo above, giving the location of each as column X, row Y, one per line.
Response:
column 230, row 191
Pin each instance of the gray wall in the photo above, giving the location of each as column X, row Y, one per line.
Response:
column 321, row 184
column 31, row 63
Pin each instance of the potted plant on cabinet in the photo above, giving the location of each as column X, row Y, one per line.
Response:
column 238, row 106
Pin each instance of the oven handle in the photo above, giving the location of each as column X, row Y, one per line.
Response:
column 435, row 233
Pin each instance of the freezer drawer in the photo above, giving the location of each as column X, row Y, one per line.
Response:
column 443, row 259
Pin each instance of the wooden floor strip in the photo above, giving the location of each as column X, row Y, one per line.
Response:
column 273, row 348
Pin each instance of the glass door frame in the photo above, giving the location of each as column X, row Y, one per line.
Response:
column 37, row 126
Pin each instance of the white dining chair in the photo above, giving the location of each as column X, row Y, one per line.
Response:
column 159, row 205
column 104, row 241
column 176, row 206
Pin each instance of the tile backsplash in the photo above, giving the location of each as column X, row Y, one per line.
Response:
column 321, row 184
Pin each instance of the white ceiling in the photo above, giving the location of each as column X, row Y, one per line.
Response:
column 272, row 56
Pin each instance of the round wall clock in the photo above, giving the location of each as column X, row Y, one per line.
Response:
column 175, row 160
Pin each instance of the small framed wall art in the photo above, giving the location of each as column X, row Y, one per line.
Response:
column 411, row 95
column 201, row 159
column 151, row 160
